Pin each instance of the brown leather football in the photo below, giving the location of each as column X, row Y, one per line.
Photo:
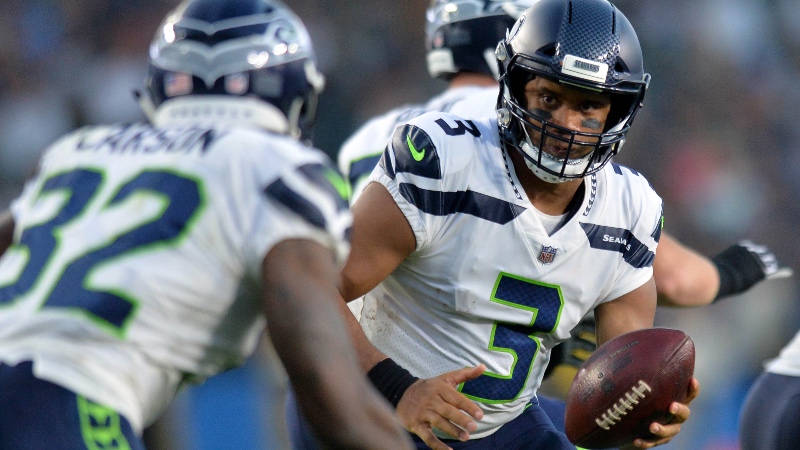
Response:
column 627, row 384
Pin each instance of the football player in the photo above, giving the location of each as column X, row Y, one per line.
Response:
column 461, row 38
column 144, row 257
column 482, row 242
column 770, row 417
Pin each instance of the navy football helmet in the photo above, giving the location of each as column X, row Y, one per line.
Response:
column 241, row 60
column 587, row 44
column 462, row 35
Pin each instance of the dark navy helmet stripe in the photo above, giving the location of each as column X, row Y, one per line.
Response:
column 362, row 167
column 620, row 240
column 282, row 193
column 467, row 202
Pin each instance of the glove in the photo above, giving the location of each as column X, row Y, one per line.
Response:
column 769, row 263
column 575, row 350
column 743, row 265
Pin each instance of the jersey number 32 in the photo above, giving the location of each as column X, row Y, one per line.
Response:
column 79, row 194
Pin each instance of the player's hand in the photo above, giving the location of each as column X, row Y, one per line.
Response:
column 435, row 403
column 769, row 263
column 663, row 433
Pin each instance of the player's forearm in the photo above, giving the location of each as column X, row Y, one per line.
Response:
column 684, row 278
column 368, row 355
column 311, row 340
column 691, row 284
column 344, row 410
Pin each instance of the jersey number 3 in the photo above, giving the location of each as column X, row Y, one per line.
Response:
column 545, row 302
column 117, row 235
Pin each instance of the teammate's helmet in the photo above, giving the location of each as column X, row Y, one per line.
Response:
column 583, row 43
column 462, row 35
column 242, row 60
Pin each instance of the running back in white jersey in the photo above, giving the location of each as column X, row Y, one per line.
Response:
column 360, row 153
column 138, row 251
column 486, row 283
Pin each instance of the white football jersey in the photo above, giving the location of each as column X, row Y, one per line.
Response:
column 788, row 363
column 138, row 252
column 486, row 283
column 360, row 153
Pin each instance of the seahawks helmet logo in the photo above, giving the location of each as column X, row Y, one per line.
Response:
column 516, row 28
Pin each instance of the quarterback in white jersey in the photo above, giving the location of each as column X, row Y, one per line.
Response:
column 144, row 257
column 480, row 243
column 489, row 281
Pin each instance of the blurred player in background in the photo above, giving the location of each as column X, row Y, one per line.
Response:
column 470, row 225
column 142, row 258
column 770, row 417
column 462, row 36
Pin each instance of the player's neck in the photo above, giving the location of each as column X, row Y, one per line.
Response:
column 550, row 198
column 472, row 79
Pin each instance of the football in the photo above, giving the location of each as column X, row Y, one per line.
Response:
column 627, row 384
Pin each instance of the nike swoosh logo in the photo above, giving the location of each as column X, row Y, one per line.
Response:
column 416, row 154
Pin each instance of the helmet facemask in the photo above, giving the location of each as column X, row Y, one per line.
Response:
column 568, row 154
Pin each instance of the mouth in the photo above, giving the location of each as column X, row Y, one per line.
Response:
column 558, row 151
column 561, row 152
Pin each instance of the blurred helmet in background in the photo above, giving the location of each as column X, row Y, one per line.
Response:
column 248, row 61
column 461, row 35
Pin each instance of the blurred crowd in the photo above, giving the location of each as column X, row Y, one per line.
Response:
column 717, row 137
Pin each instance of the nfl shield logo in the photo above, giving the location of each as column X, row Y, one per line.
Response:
column 547, row 255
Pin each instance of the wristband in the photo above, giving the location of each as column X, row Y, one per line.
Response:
column 739, row 269
column 391, row 380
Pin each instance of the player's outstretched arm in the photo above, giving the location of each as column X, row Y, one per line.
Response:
column 6, row 230
column 382, row 238
column 630, row 312
column 301, row 302
column 685, row 278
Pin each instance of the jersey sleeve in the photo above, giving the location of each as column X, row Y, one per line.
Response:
column 646, row 215
column 361, row 152
column 424, row 169
column 305, row 201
